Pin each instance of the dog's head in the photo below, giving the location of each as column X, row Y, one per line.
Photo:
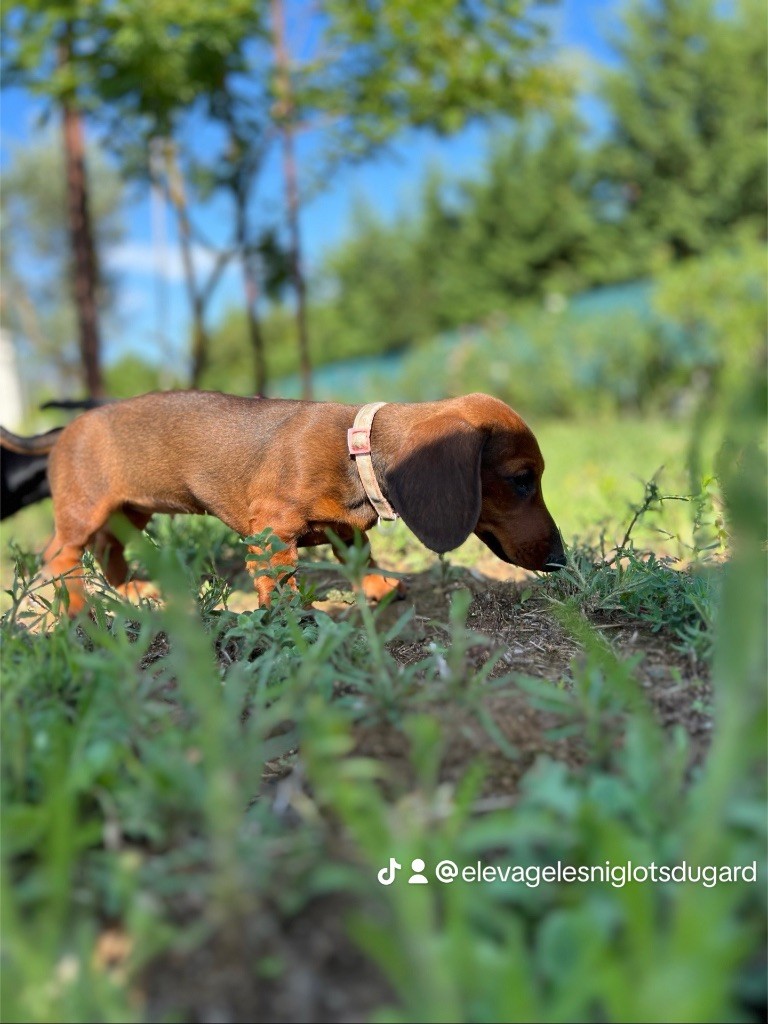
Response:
column 474, row 466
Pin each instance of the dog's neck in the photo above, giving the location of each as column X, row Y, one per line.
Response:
column 361, row 450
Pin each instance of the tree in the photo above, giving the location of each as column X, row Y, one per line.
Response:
column 284, row 115
column 685, row 160
column 236, row 172
column 524, row 227
column 36, row 252
column 435, row 64
column 377, row 283
column 381, row 68
column 160, row 65
column 42, row 47
column 469, row 249
column 85, row 268
column 141, row 69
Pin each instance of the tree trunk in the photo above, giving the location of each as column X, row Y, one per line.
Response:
column 251, row 284
column 200, row 345
column 200, row 339
column 85, row 270
column 292, row 197
column 284, row 111
column 255, row 334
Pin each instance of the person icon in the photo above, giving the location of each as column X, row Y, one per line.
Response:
column 417, row 866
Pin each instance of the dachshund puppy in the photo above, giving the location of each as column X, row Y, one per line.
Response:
column 447, row 468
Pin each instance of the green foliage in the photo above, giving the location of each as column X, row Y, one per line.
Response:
column 681, row 165
column 686, row 154
column 705, row 328
column 141, row 72
column 525, row 228
column 378, row 279
column 681, row 604
column 437, row 63
column 230, row 361
column 472, row 250
column 131, row 375
column 474, row 247
column 524, row 952
column 138, row 66
column 474, row 254
column 719, row 303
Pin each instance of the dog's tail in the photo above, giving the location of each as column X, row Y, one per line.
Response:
column 75, row 403
column 41, row 444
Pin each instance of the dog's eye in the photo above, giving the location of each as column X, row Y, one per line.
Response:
column 523, row 483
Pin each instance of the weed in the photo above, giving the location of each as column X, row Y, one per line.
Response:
column 641, row 585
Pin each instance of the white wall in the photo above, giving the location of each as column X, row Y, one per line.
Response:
column 11, row 398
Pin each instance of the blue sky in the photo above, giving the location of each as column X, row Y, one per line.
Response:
column 148, row 269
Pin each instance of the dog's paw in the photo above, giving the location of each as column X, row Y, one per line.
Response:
column 137, row 591
column 377, row 587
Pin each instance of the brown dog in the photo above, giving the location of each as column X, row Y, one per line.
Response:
column 448, row 468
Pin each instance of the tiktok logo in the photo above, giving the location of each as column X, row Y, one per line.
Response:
column 387, row 875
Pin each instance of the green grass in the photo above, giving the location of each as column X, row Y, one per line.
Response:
column 197, row 783
column 596, row 470
column 133, row 783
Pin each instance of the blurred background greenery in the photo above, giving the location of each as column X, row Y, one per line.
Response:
column 601, row 249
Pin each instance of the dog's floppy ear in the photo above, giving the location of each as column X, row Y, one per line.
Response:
column 434, row 484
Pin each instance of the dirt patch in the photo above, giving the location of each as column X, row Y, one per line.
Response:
column 525, row 732
column 676, row 686
column 533, row 644
column 262, row 967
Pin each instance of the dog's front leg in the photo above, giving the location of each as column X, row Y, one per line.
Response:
column 62, row 563
column 269, row 567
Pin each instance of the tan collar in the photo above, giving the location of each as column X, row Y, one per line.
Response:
column 359, row 444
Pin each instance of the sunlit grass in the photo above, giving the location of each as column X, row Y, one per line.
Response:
column 596, row 470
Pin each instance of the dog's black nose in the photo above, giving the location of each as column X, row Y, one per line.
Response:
column 556, row 557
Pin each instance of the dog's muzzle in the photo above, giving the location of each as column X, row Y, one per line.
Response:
column 556, row 557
